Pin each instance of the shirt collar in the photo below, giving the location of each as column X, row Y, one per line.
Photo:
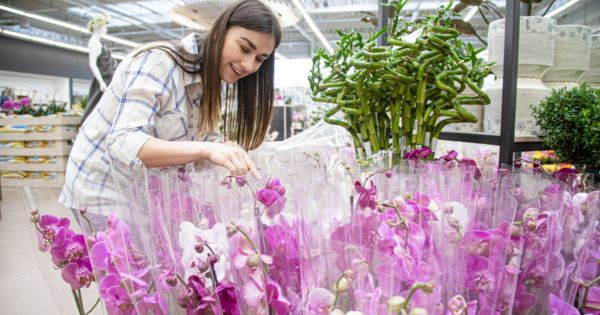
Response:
column 190, row 44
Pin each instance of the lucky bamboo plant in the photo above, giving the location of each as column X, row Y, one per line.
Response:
column 399, row 97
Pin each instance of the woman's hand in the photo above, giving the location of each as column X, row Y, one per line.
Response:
column 159, row 153
column 232, row 157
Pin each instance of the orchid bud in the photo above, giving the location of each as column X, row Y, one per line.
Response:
column 203, row 266
column 515, row 231
column 388, row 174
column 171, row 280
column 212, row 259
column 418, row 311
column 457, row 305
column 448, row 209
column 342, row 285
column 517, row 164
column 348, row 273
column 82, row 210
column 231, row 230
column 337, row 311
column 531, row 225
column 253, row 261
column 35, row 216
column 453, row 222
column 426, row 287
column 183, row 299
column 199, row 248
column 394, row 304
column 203, row 224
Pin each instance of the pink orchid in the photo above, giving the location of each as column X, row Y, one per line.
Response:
column 246, row 256
column 319, row 302
column 367, row 197
column 262, row 296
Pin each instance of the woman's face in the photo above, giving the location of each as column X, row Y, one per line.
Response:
column 244, row 51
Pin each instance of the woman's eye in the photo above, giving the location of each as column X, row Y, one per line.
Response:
column 260, row 60
column 244, row 49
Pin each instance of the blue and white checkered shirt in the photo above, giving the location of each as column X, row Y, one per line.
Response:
column 149, row 96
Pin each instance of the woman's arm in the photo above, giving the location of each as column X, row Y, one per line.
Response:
column 158, row 153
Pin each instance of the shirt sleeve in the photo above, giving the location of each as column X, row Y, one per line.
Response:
column 147, row 81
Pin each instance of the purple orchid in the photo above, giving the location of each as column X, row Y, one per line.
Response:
column 367, row 197
column 471, row 164
column 565, row 174
column 272, row 196
column 78, row 274
column 449, row 156
column 418, row 154
column 281, row 243
column 557, row 306
column 227, row 298
column 592, row 303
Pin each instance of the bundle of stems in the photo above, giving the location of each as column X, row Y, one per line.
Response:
column 399, row 97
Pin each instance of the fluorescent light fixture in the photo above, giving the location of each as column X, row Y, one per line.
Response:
column 470, row 14
column 562, row 8
column 45, row 41
column 312, row 25
column 66, row 25
column 179, row 2
column 54, row 43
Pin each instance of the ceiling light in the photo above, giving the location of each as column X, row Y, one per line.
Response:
column 312, row 25
column 470, row 15
column 562, row 8
column 66, row 25
column 54, row 43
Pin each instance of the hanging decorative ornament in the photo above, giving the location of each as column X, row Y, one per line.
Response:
column 200, row 14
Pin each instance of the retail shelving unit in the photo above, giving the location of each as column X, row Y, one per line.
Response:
column 63, row 129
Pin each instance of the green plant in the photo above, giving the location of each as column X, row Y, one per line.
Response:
column 571, row 120
column 400, row 96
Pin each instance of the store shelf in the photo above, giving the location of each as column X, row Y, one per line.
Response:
column 59, row 166
column 34, row 182
column 59, row 133
column 35, row 121
column 61, row 148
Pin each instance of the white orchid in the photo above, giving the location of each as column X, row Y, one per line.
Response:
column 215, row 237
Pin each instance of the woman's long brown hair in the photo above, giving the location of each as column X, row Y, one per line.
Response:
column 247, row 117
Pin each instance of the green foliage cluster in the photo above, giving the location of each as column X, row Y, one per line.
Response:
column 571, row 120
column 399, row 97
column 42, row 110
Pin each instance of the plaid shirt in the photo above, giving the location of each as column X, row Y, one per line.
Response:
column 149, row 96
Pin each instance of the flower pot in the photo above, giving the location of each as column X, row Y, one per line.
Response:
column 592, row 76
column 536, row 56
column 571, row 56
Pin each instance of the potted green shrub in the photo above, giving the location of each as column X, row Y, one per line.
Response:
column 397, row 98
column 570, row 119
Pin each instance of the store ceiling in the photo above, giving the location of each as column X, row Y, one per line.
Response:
column 149, row 20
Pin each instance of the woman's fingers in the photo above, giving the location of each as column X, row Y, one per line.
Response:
column 251, row 166
column 240, row 164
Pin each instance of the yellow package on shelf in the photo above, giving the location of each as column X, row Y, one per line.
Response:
column 12, row 144
column 37, row 144
column 37, row 159
column 44, row 128
column 13, row 159
column 15, row 128
column 13, row 174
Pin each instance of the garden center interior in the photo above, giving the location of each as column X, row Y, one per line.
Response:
column 505, row 83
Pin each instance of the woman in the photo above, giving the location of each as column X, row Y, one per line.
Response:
column 165, row 99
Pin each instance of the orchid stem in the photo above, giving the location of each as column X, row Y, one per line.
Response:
column 78, row 302
column 93, row 307
column 337, row 293
column 586, row 291
column 247, row 237
column 88, row 223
